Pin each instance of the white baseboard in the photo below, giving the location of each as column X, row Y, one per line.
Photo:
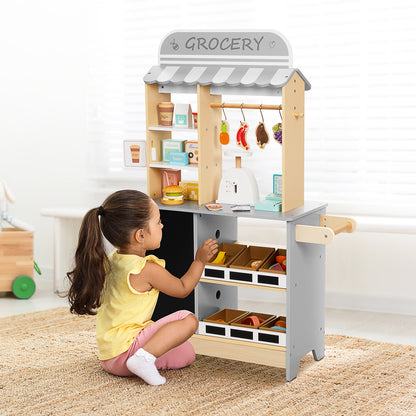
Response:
column 340, row 300
column 371, row 303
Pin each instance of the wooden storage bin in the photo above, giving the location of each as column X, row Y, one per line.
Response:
column 250, row 254
column 266, row 318
column 272, row 260
column 232, row 251
column 267, row 325
column 16, row 256
column 226, row 316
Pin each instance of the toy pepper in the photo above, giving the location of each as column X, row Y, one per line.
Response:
column 242, row 136
column 242, row 132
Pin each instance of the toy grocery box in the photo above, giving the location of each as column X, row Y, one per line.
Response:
column 170, row 145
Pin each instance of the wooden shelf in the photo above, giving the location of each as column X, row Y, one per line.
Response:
column 210, row 155
column 167, row 165
column 240, row 350
column 173, row 128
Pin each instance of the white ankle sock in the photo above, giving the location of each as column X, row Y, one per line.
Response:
column 142, row 363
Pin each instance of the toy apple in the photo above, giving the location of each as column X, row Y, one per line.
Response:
column 282, row 261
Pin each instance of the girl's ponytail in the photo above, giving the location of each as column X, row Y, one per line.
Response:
column 122, row 213
column 87, row 278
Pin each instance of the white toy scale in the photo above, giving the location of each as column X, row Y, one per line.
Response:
column 238, row 185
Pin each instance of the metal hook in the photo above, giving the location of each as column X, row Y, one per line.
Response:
column 241, row 108
column 280, row 113
column 261, row 113
column 225, row 116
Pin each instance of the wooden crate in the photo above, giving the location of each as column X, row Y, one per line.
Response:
column 16, row 256
column 231, row 253
column 251, row 254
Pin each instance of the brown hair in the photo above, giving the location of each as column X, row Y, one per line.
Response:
column 122, row 213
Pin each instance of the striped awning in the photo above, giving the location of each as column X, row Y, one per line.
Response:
column 227, row 59
column 230, row 76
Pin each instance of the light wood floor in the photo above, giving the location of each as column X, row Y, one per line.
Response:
column 376, row 326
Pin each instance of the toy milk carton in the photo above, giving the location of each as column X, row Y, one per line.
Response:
column 191, row 148
column 183, row 115
column 170, row 145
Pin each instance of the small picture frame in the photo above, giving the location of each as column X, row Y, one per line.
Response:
column 134, row 153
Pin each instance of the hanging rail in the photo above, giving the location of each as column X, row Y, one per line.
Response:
column 329, row 227
column 247, row 106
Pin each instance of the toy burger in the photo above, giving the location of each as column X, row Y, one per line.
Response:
column 172, row 195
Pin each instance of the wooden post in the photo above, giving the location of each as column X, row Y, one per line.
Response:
column 293, row 101
column 210, row 154
column 153, row 98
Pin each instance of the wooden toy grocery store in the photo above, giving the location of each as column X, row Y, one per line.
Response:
column 253, row 63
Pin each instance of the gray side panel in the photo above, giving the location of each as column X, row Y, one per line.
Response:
column 211, row 297
column 305, row 297
column 221, row 228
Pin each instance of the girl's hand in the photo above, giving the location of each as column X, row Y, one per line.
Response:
column 208, row 249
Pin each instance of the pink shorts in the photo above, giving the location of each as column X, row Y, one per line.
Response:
column 178, row 357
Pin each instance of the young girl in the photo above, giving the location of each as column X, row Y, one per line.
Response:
column 122, row 289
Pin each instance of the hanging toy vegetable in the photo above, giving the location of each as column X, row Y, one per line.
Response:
column 261, row 133
column 242, row 132
column 224, row 136
column 225, row 127
column 242, row 135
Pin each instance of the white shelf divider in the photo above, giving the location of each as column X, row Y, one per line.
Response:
column 174, row 128
column 167, row 165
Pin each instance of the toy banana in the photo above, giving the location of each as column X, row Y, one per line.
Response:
column 220, row 259
column 242, row 135
column 224, row 136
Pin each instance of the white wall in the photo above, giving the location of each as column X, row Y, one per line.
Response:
column 43, row 75
column 367, row 270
